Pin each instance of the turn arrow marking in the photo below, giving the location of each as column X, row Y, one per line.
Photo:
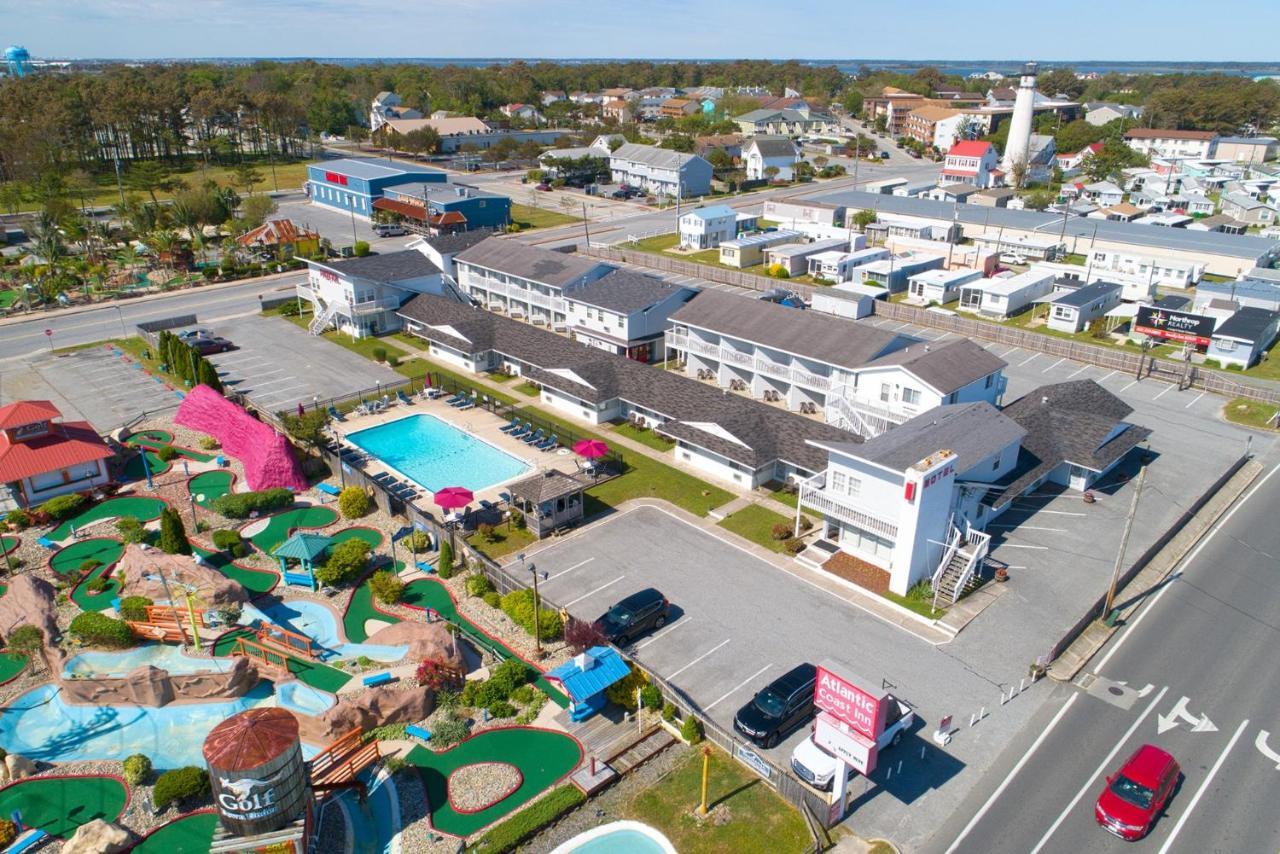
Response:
column 1261, row 743
column 1179, row 713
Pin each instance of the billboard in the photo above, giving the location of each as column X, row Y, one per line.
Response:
column 847, row 702
column 1174, row 325
column 857, row 751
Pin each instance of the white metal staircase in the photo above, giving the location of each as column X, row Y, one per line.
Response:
column 964, row 553
column 323, row 318
column 859, row 418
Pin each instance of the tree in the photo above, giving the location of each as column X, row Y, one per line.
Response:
column 346, row 562
column 720, row 159
column 852, row 102
column 148, row 176
column 308, row 428
column 207, row 374
column 1018, row 173
column 1107, row 162
column 27, row 640
column 424, row 140
column 173, row 535
column 255, row 210
column 864, row 218
column 1038, row 200
column 678, row 142
column 770, row 172
column 444, row 565
column 246, row 177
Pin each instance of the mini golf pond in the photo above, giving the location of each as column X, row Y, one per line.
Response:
column 321, row 625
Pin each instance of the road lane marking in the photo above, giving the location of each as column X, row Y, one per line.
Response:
column 734, row 689
column 1078, row 370
column 570, row 569
column 1198, row 396
column 1167, row 389
column 1029, row 359
column 1181, row 567
column 1222, row 757
column 1102, row 768
column 1054, row 365
column 1026, row 757
column 594, row 592
column 696, row 660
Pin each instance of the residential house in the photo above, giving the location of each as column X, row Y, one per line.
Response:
column 1123, row 267
column 730, row 142
column 1221, row 222
column 1248, row 149
column 625, row 313
column 1073, row 163
column 762, row 153
column 523, row 112
column 1248, row 210
column 1076, row 309
column 748, row 249
column 1178, row 144
column 42, row 456
column 387, row 105
column 660, row 171
column 1241, row 339
column 708, row 227
column 525, row 282
column 678, row 108
column 938, row 287
column 993, row 197
column 1122, row 212
column 360, row 296
column 1259, row 287
column 795, row 213
column 1102, row 193
column 553, row 96
column 647, row 109
column 1042, row 153
column 894, row 272
column 785, row 122
column 794, row 257
column 281, row 238
column 835, row 265
column 889, row 227
column 1099, row 113
column 1005, row 295
column 457, row 131
column 551, row 161
column 972, row 162
column 951, row 193
column 1034, row 247
column 618, row 110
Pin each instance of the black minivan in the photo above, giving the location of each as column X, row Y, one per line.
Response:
column 633, row 616
column 786, row 703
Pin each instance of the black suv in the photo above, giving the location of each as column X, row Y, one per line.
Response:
column 785, row 704
column 633, row 616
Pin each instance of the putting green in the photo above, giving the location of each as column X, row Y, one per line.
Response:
column 67, row 562
column 280, row 525
column 156, row 439
column 143, row 507
column 8, row 544
column 211, row 484
column 542, row 756
column 190, row 834
column 134, row 470
column 59, row 805
column 254, row 580
column 315, row 674
column 11, row 664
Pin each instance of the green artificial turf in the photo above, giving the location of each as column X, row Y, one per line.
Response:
column 254, row 580
column 211, row 484
column 7, row 544
column 11, row 664
column 317, row 675
column 67, row 562
column 143, row 508
column 59, row 805
column 280, row 525
column 190, row 834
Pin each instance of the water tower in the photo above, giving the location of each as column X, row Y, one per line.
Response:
column 17, row 61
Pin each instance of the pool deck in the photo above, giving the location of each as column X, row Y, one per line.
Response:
column 479, row 423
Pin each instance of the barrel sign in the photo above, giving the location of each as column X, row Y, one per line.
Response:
column 256, row 771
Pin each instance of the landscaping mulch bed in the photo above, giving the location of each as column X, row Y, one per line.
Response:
column 846, row 566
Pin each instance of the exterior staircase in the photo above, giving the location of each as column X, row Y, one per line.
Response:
column 867, row 422
column 957, row 572
column 946, row 588
column 323, row 318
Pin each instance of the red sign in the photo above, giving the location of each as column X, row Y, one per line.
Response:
column 335, row 178
column 49, row 332
column 849, row 703
column 853, row 747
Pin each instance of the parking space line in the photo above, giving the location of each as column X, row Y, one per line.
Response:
column 737, row 687
column 683, row 621
column 1130, row 385
column 1032, row 357
column 257, row 386
column 1054, row 365
column 1054, row 512
column 1027, row 527
column 594, row 592
column 1017, row 546
column 699, row 658
column 902, row 327
column 1078, row 370
column 1006, row 353
column 1213, row 772
column 1108, row 376
column 1198, row 396
column 570, row 569
column 1167, row 389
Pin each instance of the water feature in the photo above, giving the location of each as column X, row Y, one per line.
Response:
column 318, row 622
column 301, row 697
column 618, row 837
column 435, row 454
column 102, row 663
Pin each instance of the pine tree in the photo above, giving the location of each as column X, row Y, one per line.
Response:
column 209, row 375
column 173, row 535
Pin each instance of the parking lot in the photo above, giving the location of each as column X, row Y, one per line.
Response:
column 279, row 365
column 337, row 226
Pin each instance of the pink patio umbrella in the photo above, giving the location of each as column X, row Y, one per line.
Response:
column 592, row 449
column 453, row 498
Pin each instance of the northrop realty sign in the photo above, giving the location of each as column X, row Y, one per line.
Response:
column 1174, row 325
column 847, row 702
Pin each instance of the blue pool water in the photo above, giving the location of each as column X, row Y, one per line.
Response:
column 301, row 697
column 319, row 623
column 116, row 664
column 620, row 837
column 435, row 454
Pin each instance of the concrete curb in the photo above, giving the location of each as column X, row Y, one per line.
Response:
column 1096, row 634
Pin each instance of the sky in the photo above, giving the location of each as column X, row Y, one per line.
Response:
column 1105, row 30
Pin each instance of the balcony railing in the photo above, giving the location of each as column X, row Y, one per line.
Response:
column 806, row 377
column 773, row 369
column 380, row 304
column 814, row 493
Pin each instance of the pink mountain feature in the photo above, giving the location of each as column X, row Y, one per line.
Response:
column 266, row 455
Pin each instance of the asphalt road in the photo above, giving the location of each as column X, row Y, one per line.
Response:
column 1193, row 673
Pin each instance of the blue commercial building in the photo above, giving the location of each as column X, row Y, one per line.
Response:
column 445, row 208
column 354, row 184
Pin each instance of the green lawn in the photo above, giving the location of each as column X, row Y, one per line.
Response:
column 658, row 243
column 645, row 437
column 791, row 499
column 8, row 298
column 527, row 217
column 210, row 485
column 529, row 388
column 755, row 523
column 364, row 346
column 1251, row 413
column 923, row 607
column 505, row 541
column 753, row 811
column 59, row 805
column 145, row 509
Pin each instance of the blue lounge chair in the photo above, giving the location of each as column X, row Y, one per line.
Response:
column 548, row 443
column 512, row 427
column 335, row 414
column 328, row 488
column 470, row 403
column 457, row 400
column 403, row 399
column 523, row 431
column 537, row 436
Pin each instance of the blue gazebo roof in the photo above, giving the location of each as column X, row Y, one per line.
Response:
column 303, row 546
column 604, row 667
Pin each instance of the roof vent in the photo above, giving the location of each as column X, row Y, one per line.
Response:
column 1044, row 399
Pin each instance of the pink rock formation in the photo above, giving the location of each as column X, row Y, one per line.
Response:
column 388, row 704
column 151, row 686
column 267, row 456
column 427, row 641
column 29, row 599
column 142, row 569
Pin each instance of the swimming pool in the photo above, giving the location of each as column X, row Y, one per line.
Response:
column 435, row 454
column 618, row 837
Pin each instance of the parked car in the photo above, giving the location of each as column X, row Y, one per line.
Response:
column 192, row 334
column 1137, row 794
column 884, row 155
column 817, row 766
column 784, row 704
column 389, row 229
column 633, row 616
column 214, row 344
column 544, row 187
column 1011, row 258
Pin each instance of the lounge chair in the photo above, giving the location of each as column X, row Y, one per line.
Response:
column 522, row 432
column 469, row 403
column 435, row 393
column 402, row 398
column 335, row 414
column 512, row 427
column 537, row 436
column 457, row 400
column 548, row 443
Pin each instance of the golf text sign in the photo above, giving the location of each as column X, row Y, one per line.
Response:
column 849, row 703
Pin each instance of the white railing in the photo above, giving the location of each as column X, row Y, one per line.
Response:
column 980, row 544
column 728, row 354
column 773, row 369
column 863, row 418
column 813, row 493
column 323, row 318
column 953, row 545
column 380, row 304
column 807, row 377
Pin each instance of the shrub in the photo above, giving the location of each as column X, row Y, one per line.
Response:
column 26, row 640
column 386, row 586
column 623, row 692
column 346, row 562
column 478, row 584
column 449, row 730
column 501, row 709
column 393, row 361
column 98, row 629
column 806, row 524
column 668, row 712
column 130, row 529
column 393, row 764
column 485, row 532
column 517, row 519
column 379, row 354
column 793, row 546
column 238, row 505
column 518, row 605
column 360, row 248
column 526, row 695
column 173, row 536
column 8, row 832
column 353, row 502
column 509, row 675
column 507, row 835
column 167, row 454
column 63, row 506
column 444, row 566
column 137, row 768
column 88, row 566
column 208, row 443
column 691, row 730
column 780, row 531
column 581, row 635
column 386, row 732
column 493, row 599
column 179, row 784
column 18, row 519
column 418, row 541
column 134, row 608
column 229, row 541
column 364, row 661
column 96, row 585
column 651, row 697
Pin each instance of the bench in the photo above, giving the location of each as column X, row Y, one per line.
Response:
column 378, row 679
column 26, row 840
column 418, row 732
column 46, row 543
column 328, row 488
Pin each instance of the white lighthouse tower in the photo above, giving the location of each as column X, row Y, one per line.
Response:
column 1018, row 148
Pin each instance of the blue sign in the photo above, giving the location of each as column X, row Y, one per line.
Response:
column 752, row 760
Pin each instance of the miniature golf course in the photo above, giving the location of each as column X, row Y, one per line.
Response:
column 11, row 664
column 8, row 544
column 143, row 508
column 190, row 834
column 317, row 675
column 59, row 805
column 106, row 551
column 211, row 484
column 281, row 525
column 157, row 439
column 542, row 756
column 256, row 581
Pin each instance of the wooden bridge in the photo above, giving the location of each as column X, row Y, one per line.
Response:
column 339, row 764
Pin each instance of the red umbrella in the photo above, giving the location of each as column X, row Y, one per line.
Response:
column 453, row 497
column 592, row 449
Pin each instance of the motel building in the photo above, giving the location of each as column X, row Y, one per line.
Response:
column 42, row 456
column 360, row 296
column 353, row 184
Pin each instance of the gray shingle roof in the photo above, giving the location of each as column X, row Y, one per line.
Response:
column 388, row 267
column 1083, row 296
column 773, row 146
column 448, row 244
column 529, row 262
column 946, row 367
column 803, row 333
column 546, row 486
column 1248, row 324
column 624, row 291
column 651, row 155
column 974, row 431
column 764, row 433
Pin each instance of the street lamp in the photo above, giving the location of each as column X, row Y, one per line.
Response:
column 124, row 332
column 195, row 523
column 537, row 605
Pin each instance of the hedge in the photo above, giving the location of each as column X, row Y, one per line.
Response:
column 135, row 608
column 238, row 505
column 346, row 562
column 523, row 825
column 518, row 605
column 100, row 630
column 63, row 506
column 353, row 502
column 226, row 540
column 179, row 784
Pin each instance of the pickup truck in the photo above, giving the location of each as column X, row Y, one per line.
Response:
column 817, row 767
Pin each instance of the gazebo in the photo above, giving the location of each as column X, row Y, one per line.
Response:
column 586, row 676
column 305, row 549
column 550, row 500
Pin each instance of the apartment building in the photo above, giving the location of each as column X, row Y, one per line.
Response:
column 625, row 313
column 660, row 171
column 524, row 282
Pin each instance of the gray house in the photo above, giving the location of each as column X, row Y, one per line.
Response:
column 658, row 170
column 1076, row 309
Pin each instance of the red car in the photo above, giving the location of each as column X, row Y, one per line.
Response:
column 1137, row 793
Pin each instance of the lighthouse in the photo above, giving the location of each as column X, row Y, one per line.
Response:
column 1018, row 148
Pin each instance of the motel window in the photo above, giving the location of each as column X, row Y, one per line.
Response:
column 839, row 482
column 885, row 392
column 911, row 396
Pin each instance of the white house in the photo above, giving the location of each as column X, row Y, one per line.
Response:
column 1102, row 193
column 523, row 112
column 748, row 250
column 939, row 286
column 658, row 170
column 793, row 213
column 1073, row 310
column 387, row 106
column 624, row 312
column 835, row 265
column 1004, row 296
column 1173, row 144
column 847, row 300
column 1163, row 271
column 1099, row 113
column 972, row 162
column 708, row 227
column 1241, row 339
column 794, row 257
column 361, row 296
column 761, row 153
column 524, row 282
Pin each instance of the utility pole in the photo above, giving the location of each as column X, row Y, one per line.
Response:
column 1124, row 543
